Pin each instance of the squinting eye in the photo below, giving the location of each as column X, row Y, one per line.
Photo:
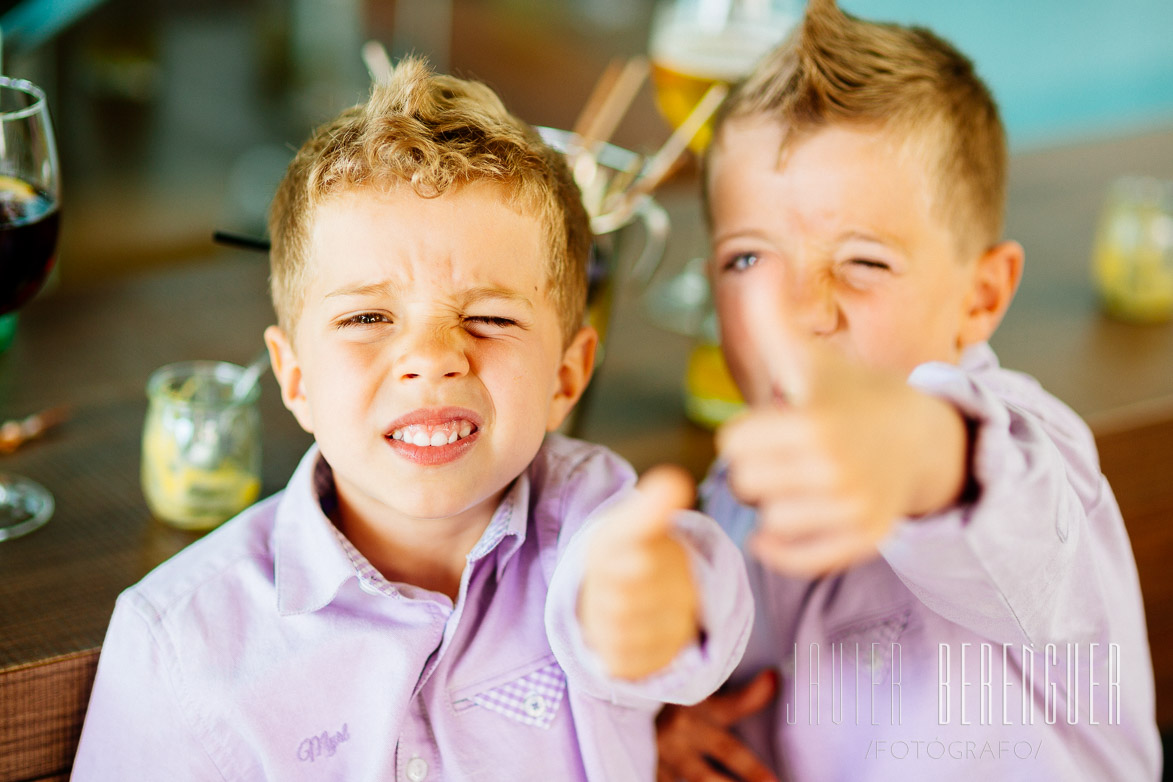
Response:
column 365, row 319
column 741, row 262
column 870, row 264
column 490, row 320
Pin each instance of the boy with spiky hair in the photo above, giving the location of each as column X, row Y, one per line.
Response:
column 446, row 589
column 944, row 582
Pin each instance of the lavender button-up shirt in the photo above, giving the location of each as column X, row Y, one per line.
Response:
column 1003, row 639
column 271, row 649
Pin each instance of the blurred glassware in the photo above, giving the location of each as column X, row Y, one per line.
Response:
column 696, row 43
column 7, row 330
column 614, row 259
column 30, row 200
column 201, row 460
column 710, row 396
column 1133, row 257
column 683, row 304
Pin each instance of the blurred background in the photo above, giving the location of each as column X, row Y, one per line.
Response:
column 176, row 117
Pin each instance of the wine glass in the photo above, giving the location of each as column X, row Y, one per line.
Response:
column 696, row 43
column 29, row 217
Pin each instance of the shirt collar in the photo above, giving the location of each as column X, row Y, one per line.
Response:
column 314, row 559
column 978, row 357
column 506, row 531
column 311, row 565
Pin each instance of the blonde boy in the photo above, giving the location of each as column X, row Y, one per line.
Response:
column 944, row 582
column 446, row 589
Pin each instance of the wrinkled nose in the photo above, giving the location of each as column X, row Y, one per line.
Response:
column 431, row 354
column 813, row 303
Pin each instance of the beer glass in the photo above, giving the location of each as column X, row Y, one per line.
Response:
column 695, row 43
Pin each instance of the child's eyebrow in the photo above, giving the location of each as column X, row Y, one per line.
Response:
column 473, row 295
column 368, row 289
column 872, row 237
column 741, row 233
column 469, row 296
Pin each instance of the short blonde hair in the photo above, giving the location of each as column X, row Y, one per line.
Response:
column 432, row 132
column 838, row 69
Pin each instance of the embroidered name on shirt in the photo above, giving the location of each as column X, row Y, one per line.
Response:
column 324, row 744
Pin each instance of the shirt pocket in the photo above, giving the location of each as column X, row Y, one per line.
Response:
column 529, row 695
column 873, row 642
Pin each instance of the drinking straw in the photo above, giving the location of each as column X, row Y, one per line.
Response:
column 378, row 63
column 237, row 240
column 616, row 102
column 665, row 159
column 603, row 86
column 662, row 163
column 608, row 103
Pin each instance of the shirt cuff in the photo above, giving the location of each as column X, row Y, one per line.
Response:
column 726, row 618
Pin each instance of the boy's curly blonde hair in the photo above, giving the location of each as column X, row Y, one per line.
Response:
column 431, row 132
column 836, row 69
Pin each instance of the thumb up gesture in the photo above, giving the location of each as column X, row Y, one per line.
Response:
column 638, row 606
column 841, row 451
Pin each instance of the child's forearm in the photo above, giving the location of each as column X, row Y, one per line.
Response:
column 944, row 470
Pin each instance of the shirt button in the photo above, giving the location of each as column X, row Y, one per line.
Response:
column 417, row 769
column 534, row 705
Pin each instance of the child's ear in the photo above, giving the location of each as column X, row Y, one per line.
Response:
column 288, row 374
column 578, row 363
column 995, row 279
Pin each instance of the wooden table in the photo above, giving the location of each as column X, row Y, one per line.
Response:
column 94, row 349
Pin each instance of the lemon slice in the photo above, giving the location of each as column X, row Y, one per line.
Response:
column 16, row 187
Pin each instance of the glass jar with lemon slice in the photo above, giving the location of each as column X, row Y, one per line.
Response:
column 201, row 444
column 1133, row 257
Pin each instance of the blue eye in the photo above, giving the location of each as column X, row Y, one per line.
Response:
column 741, row 262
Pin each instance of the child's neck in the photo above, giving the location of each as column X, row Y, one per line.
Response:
column 427, row 553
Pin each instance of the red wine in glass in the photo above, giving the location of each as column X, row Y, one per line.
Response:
column 29, row 218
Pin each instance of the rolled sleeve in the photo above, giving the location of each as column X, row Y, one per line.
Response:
column 1001, row 564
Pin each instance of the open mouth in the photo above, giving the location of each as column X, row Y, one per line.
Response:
column 434, row 435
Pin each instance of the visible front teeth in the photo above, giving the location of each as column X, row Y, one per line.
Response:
column 434, row 436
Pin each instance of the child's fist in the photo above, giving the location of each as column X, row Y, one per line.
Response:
column 837, row 451
column 638, row 604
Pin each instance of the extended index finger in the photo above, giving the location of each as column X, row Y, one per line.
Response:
column 777, row 341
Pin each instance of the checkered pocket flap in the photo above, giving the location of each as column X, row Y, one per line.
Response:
column 531, row 699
